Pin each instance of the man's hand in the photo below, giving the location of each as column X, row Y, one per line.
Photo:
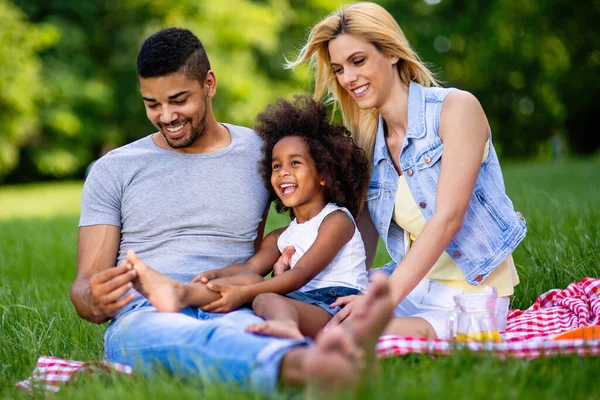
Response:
column 232, row 297
column 108, row 286
column 206, row 276
column 284, row 262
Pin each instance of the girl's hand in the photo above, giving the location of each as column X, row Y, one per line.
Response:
column 206, row 276
column 349, row 307
column 284, row 262
column 232, row 298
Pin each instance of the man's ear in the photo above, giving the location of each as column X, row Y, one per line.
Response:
column 210, row 83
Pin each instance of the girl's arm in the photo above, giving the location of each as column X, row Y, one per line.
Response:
column 261, row 262
column 464, row 129
column 335, row 231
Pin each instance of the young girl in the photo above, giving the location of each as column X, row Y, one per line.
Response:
column 436, row 195
column 317, row 173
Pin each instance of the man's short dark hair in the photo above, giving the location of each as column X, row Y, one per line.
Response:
column 173, row 50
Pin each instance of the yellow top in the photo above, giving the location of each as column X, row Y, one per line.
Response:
column 408, row 216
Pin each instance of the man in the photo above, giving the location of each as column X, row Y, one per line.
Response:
column 186, row 199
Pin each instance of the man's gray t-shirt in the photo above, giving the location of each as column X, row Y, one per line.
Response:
column 181, row 213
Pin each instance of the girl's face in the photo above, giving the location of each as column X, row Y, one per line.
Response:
column 363, row 71
column 294, row 175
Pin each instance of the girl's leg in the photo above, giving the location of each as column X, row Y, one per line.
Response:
column 168, row 295
column 287, row 317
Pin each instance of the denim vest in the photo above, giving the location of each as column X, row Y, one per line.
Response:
column 491, row 228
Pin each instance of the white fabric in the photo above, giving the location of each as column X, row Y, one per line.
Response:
column 431, row 300
column 346, row 269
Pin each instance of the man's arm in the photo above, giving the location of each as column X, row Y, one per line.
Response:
column 98, row 287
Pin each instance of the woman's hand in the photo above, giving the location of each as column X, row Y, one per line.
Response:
column 232, row 298
column 284, row 262
column 349, row 307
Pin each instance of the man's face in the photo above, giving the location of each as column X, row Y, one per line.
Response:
column 177, row 107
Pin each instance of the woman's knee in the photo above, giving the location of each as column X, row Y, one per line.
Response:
column 410, row 326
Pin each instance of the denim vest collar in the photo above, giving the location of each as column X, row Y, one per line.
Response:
column 416, row 122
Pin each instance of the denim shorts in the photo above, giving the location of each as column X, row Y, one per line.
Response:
column 323, row 297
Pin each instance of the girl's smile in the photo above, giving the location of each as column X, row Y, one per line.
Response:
column 287, row 188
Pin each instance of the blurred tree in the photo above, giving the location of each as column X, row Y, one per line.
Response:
column 531, row 63
column 20, row 83
column 91, row 98
column 68, row 84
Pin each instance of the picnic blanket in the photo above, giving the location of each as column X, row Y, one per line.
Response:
column 529, row 334
column 51, row 372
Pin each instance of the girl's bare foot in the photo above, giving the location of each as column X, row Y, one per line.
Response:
column 164, row 293
column 341, row 354
column 278, row 328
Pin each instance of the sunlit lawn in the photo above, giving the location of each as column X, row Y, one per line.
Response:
column 38, row 237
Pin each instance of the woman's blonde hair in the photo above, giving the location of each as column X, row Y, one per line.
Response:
column 374, row 24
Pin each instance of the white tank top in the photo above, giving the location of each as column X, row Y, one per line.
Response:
column 348, row 267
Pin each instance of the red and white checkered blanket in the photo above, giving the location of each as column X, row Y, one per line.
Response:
column 529, row 332
column 51, row 372
column 528, row 335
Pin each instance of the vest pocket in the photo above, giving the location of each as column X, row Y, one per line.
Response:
column 374, row 191
column 490, row 210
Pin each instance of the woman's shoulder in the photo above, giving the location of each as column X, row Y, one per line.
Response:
column 459, row 97
column 448, row 94
column 460, row 101
column 461, row 110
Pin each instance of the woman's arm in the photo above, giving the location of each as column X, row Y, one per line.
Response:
column 464, row 129
column 335, row 231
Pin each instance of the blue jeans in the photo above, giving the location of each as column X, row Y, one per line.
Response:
column 323, row 297
column 196, row 343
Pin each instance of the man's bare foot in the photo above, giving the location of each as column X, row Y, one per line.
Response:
column 340, row 355
column 277, row 328
column 164, row 293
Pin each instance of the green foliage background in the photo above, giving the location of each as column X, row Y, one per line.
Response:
column 68, row 86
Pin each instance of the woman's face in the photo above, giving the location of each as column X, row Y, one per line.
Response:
column 367, row 74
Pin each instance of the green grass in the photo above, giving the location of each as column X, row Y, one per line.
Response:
column 38, row 239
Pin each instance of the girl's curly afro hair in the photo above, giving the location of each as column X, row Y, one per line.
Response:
column 341, row 163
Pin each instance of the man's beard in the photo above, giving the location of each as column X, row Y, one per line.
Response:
column 196, row 131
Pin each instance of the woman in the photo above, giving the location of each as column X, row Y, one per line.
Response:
column 446, row 221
